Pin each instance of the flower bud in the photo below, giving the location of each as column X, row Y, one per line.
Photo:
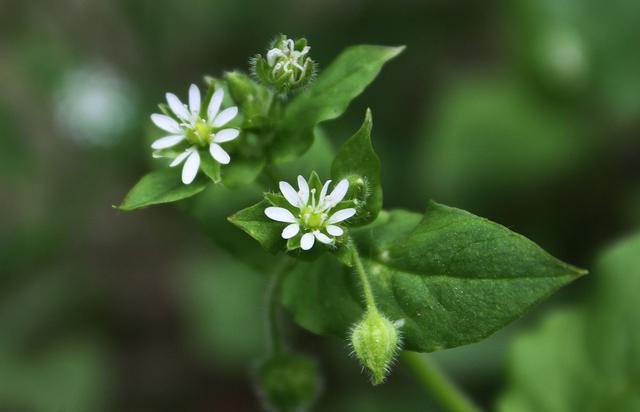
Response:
column 286, row 65
column 288, row 382
column 375, row 341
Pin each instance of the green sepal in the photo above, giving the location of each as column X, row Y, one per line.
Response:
column 160, row 186
column 253, row 100
column 209, row 166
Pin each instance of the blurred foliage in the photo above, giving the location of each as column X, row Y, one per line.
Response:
column 527, row 112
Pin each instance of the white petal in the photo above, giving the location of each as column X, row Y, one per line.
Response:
column 177, row 107
column 323, row 192
column 290, row 231
column 290, row 194
column 307, row 241
column 280, row 214
column 190, row 168
column 334, row 230
column 194, row 99
column 339, row 191
column 226, row 135
column 165, row 123
column 219, row 154
column 225, row 116
column 322, row 237
column 214, row 104
column 167, row 141
column 341, row 215
column 303, row 186
column 180, row 158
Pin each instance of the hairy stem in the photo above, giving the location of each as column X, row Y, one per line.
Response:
column 364, row 278
column 445, row 392
column 273, row 304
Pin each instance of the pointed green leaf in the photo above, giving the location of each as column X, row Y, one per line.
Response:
column 257, row 225
column 585, row 357
column 160, row 186
column 454, row 278
column 358, row 162
column 328, row 97
column 210, row 167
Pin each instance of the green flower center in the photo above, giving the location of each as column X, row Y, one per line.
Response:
column 200, row 134
column 312, row 219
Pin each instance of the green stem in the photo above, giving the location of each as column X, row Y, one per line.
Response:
column 364, row 279
column 446, row 393
column 273, row 305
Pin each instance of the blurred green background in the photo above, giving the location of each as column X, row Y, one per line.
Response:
column 525, row 112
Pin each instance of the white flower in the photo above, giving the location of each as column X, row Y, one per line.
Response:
column 313, row 215
column 199, row 131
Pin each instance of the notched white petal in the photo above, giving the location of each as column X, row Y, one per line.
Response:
column 165, row 123
column 194, row 99
column 225, row 116
column 290, row 231
column 179, row 158
column 190, row 168
column 177, row 107
column 290, row 194
column 219, row 154
column 307, row 240
column 167, row 141
column 279, row 214
column 322, row 237
column 339, row 191
column 226, row 135
column 323, row 192
column 303, row 188
column 334, row 230
column 342, row 215
column 214, row 104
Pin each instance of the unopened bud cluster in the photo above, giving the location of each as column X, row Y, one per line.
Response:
column 286, row 65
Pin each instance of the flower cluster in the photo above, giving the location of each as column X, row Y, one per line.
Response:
column 287, row 65
column 198, row 129
column 313, row 215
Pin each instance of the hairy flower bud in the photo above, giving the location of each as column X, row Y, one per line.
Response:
column 286, row 65
column 375, row 341
column 288, row 382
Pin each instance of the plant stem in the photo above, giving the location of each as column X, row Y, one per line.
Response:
column 364, row 279
column 273, row 305
column 446, row 393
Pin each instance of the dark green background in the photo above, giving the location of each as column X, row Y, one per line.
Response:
column 525, row 112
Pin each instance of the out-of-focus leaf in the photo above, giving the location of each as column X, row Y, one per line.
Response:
column 453, row 277
column 586, row 357
column 328, row 97
column 492, row 137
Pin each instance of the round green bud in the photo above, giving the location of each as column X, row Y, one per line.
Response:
column 286, row 66
column 375, row 341
column 288, row 382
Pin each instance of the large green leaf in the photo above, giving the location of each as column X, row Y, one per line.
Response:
column 586, row 357
column 357, row 161
column 454, row 278
column 160, row 186
column 328, row 97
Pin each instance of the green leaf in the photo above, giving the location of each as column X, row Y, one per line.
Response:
column 160, row 186
column 454, row 278
column 328, row 97
column 254, row 222
column 357, row 161
column 585, row 357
